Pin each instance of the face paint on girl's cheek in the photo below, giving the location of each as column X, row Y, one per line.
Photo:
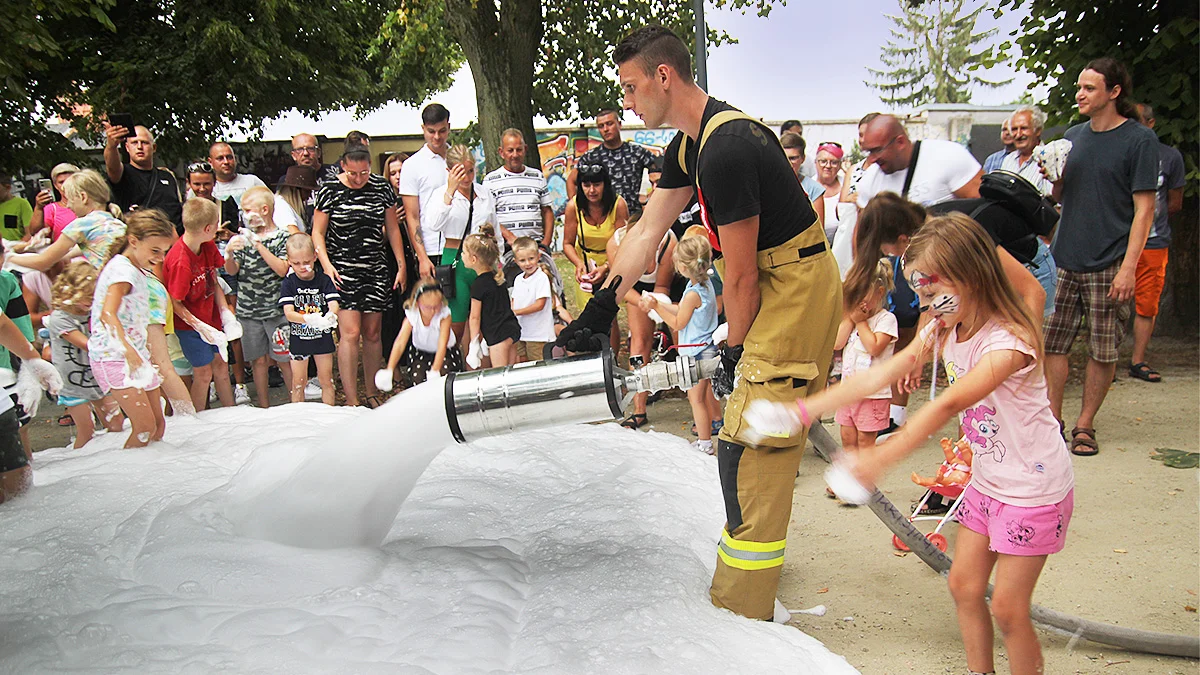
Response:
column 943, row 304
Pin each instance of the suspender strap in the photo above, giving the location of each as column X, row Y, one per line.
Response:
column 912, row 169
column 713, row 122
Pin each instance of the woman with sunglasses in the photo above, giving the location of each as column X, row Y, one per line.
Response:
column 829, row 165
column 590, row 220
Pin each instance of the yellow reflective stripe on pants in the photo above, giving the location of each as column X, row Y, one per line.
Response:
column 750, row 555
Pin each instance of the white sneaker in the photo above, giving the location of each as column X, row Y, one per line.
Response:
column 212, row 392
column 312, row 390
column 240, row 395
column 703, row 446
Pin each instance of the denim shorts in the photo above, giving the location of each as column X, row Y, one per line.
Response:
column 1044, row 270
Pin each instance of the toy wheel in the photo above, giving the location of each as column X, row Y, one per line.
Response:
column 900, row 545
column 937, row 540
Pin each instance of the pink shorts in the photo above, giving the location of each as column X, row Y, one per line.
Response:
column 867, row 415
column 1016, row 530
column 115, row 375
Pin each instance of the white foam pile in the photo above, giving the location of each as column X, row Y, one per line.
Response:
column 520, row 554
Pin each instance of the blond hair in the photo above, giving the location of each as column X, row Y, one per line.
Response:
column 862, row 280
column 141, row 224
column 93, row 186
column 459, row 154
column 482, row 245
column 74, row 287
column 694, row 256
column 957, row 249
column 524, row 244
column 424, row 286
column 261, row 196
column 300, row 243
column 199, row 213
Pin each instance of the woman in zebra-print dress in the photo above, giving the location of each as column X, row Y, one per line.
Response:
column 353, row 217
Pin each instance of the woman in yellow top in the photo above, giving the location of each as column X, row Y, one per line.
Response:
column 585, row 238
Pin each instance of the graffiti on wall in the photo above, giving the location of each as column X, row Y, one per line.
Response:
column 560, row 150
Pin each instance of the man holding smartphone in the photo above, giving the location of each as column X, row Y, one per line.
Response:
column 15, row 212
column 138, row 184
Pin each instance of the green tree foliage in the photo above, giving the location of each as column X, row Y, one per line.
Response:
column 528, row 57
column 189, row 71
column 1157, row 40
column 934, row 54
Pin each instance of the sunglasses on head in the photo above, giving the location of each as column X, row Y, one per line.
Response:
column 833, row 143
column 200, row 167
column 591, row 170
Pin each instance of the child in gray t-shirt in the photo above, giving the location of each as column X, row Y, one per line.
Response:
column 71, row 296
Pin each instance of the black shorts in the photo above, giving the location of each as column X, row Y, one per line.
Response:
column 644, row 287
column 904, row 302
column 23, row 418
column 12, row 453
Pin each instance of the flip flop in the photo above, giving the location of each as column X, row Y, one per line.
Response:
column 1144, row 372
column 1083, row 442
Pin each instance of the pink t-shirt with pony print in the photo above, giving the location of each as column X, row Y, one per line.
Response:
column 1020, row 456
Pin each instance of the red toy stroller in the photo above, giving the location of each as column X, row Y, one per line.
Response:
column 952, row 478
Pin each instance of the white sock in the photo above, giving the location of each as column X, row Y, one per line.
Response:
column 899, row 414
column 781, row 613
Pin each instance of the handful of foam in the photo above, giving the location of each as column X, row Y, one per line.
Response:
column 662, row 298
column 843, row 483
column 1052, row 157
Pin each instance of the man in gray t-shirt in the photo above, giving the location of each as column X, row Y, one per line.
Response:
column 1107, row 195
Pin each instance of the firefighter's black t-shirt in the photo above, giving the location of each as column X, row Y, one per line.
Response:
column 744, row 174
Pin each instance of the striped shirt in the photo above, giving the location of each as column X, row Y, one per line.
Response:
column 519, row 198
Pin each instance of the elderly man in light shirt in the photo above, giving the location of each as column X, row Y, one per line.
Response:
column 1027, row 123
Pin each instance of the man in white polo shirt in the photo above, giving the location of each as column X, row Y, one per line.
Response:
column 421, row 176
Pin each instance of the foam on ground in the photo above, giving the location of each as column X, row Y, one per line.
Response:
column 571, row 550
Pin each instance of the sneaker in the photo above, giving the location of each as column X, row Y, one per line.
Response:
column 240, row 395
column 212, row 392
column 312, row 390
column 703, row 446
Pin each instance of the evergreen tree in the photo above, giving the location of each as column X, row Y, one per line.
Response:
column 933, row 55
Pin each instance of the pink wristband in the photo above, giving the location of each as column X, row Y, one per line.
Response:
column 805, row 418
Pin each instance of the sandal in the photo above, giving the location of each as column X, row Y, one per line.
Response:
column 635, row 421
column 933, row 509
column 1144, row 372
column 1083, row 442
column 372, row 402
column 66, row 421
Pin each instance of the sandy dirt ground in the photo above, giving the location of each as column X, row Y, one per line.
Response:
column 1132, row 557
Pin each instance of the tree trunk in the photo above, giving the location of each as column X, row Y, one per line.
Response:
column 1180, row 311
column 501, row 48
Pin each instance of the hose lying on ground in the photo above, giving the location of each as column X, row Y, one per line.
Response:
column 1168, row 644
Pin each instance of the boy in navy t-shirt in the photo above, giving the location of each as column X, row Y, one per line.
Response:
column 310, row 303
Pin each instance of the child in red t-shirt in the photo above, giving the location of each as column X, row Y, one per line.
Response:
column 190, row 273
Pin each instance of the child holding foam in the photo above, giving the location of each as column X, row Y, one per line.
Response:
column 257, row 257
column 310, row 303
column 1017, row 509
column 117, row 347
column 427, row 325
column 695, row 317
column 492, row 320
column 190, row 275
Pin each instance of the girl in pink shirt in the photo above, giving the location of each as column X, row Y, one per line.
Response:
column 1019, row 504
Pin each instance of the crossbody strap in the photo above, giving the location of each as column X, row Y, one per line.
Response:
column 467, row 227
column 912, row 169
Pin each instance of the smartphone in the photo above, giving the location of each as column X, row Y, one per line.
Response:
column 45, row 185
column 121, row 120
